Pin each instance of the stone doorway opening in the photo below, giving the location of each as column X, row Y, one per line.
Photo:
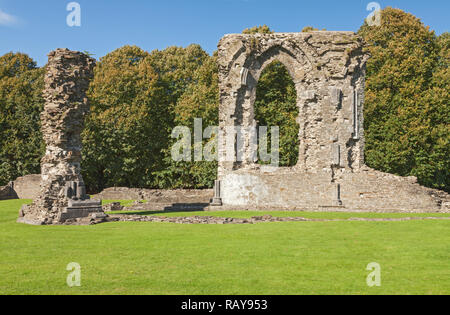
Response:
column 276, row 106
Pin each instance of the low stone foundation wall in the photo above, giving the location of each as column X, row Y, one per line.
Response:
column 7, row 192
column 367, row 190
column 362, row 190
column 254, row 220
column 27, row 187
column 156, row 195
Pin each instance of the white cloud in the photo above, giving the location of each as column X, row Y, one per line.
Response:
column 7, row 19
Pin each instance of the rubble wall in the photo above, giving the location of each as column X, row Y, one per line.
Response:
column 66, row 105
column 328, row 69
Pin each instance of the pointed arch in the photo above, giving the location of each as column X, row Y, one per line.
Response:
column 276, row 106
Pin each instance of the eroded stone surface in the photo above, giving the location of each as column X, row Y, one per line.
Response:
column 157, row 195
column 7, row 192
column 62, row 195
column 115, row 206
column 328, row 69
column 27, row 187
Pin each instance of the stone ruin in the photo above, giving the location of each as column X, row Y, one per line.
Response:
column 25, row 187
column 328, row 69
column 7, row 192
column 62, row 196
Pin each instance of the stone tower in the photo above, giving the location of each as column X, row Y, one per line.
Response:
column 63, row 193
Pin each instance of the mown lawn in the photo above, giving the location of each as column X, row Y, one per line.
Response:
column 267, row 258
column 249, row 214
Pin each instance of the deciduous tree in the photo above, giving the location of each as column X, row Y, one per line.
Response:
column 21, row 144
column 406, row 105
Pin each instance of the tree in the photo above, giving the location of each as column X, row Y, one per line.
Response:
column 276, row 106
column 200, row 100
column 134, row 94
column 175, row 67
column 433, row 125
column 125, row 132
column 406, row 105
column 21, row 143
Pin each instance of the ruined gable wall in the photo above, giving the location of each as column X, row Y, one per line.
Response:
column 328, row 69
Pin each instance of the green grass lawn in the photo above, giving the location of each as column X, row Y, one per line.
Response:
column 249, row 214
column 266, row 258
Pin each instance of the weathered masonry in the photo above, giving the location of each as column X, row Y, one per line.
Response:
column 62, row 194
column 328, row 69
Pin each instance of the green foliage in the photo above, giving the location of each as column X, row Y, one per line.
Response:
column 307, row 29
column 133, row 97
column 433, row 126
column 262, row 29
column 406, row 106
column 254, row 42
column 200, row 100
column 276, row 105
column 21, row 143
column 175, row 67
column 88, row 53
column 122, row 134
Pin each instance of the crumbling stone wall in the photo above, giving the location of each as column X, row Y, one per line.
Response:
column 62, row 194
column 7, row 192
column 27, row 187
column 157, row 195
column 328, row 69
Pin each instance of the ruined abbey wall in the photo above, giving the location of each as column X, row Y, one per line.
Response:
column 328, row 69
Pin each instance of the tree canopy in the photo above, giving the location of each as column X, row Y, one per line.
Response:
column 276, row 105
column 406, row 106
column 21, row 143
column 134, row 95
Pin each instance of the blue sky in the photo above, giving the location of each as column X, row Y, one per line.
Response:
column 37, row 27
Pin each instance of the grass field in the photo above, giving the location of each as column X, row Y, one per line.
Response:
column 266, row 258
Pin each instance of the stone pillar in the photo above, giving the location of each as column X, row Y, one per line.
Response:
column 62, row 194
column 217, row 200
